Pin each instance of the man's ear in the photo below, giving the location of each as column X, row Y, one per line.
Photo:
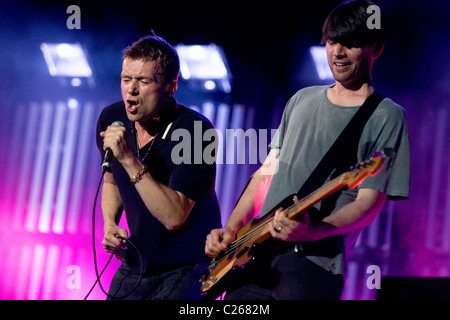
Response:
column 171, row 88
column 377, row 49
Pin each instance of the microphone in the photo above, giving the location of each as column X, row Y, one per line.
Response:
column 109, row 154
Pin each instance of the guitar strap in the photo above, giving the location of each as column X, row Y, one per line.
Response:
column 343, row 152
column 341, row 155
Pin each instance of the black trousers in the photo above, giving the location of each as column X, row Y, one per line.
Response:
column 176, row 284
column 290, row 277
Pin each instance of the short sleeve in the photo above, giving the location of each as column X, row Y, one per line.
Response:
column 393, row 179
column 194, row 175
column 277, row 140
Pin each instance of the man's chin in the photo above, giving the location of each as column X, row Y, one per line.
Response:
column 132, row 116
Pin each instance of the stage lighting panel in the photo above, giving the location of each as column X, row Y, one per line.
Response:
column 206, row 65
column 66, row 60
column 319, row 56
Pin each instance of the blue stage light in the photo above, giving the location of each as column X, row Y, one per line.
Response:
column 66, row 60
column 319, row 56
column 205, row 64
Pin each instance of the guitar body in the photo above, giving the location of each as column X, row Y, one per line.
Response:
column 253, row 267
column 247, row 254
column 231, row 268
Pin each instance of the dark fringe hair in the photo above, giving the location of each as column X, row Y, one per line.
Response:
column 347, row 25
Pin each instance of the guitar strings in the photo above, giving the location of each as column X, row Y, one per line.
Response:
column 237, row 244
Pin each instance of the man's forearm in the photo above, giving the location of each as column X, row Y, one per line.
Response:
column 356, row 215
column 353, row 216
column 111, row 202
column 252, row 196
column 247, row 206
column 169, row 206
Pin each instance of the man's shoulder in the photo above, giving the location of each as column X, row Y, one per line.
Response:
column 111, row 113
column 307, row 96
column 117, row 109
column 312, row 90
column 190, row 116
column 391, row 108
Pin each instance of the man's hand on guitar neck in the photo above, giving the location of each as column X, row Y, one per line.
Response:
column 217, row 241
column 283, row 228
column 353, row 216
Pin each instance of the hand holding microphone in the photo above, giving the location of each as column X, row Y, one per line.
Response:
column 106, row 165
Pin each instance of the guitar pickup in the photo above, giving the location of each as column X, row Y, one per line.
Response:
column 242, row 252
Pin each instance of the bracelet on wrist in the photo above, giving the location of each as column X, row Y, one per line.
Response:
column 138, row 176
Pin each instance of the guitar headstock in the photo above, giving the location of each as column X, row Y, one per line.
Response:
column 365, row 168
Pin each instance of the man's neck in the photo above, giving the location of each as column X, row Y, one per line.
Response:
column 349, row 96
column 147, row 130
column 145, row 134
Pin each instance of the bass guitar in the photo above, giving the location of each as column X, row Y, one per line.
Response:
column 256, row 231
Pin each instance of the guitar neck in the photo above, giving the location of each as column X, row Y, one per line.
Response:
column 258, row 229
column 307, row 202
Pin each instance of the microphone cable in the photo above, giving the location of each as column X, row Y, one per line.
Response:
column 110, row 258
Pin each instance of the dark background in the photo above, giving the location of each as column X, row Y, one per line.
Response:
column 266, row 43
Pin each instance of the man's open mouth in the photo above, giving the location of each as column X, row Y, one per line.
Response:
column 342, row 64
column 132, row 105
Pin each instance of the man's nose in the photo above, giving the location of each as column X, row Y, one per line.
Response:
column 339, row 50
column 132, row 88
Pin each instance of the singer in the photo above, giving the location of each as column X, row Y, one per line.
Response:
column 169, row 208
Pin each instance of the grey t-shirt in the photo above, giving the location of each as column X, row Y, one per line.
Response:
column 309, row 126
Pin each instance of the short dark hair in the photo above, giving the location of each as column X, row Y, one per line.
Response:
column 155, row 48
column 347, row 25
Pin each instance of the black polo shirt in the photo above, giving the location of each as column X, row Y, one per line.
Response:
column 160, row 248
